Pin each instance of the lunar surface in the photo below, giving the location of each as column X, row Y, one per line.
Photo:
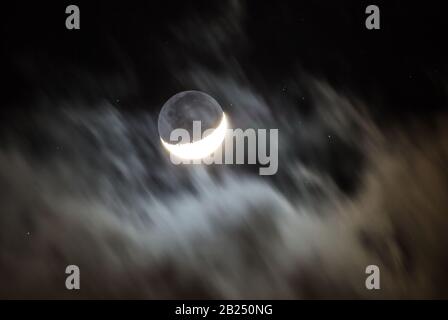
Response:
column 182, row 109
column 180, row 112
column 202, row 148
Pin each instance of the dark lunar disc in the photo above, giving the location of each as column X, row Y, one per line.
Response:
column 185, row 107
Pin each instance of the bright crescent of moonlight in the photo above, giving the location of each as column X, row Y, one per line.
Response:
column 202, row 148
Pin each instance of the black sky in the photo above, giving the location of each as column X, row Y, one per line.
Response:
column 398, row 67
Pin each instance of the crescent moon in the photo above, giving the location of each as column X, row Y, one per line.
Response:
column 202, row 148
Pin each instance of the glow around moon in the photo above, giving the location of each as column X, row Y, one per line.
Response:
column 202, row 148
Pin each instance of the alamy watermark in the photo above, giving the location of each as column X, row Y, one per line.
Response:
column 236, row 146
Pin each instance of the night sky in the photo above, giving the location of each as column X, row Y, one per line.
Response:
column 403, row 62
column 362, row 118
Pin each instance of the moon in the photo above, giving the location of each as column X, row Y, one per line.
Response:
column 180, row 111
